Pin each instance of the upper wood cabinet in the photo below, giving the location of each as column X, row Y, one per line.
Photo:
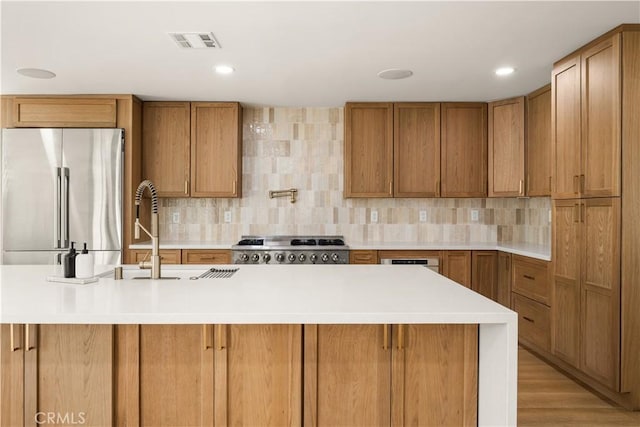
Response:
column 67, row 112
column 416, row 148
column 463, row 148
column 64, row 370
column 538, row 144
column 586, row 122
column 368, row 150
column 193, row 149
column 506, row 147
column 166, row 136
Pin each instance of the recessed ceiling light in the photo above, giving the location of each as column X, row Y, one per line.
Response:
column 395, row 74
column 224, row 69
column 36, row 73
column 504, row 71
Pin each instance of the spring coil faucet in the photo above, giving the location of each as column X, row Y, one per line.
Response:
column 154, row 263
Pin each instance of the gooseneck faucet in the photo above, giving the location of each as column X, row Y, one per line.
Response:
column 154, row 264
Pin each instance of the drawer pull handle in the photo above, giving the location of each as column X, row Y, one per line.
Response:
column 528, row 319
column 526, row 276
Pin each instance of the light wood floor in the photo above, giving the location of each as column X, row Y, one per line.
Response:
column 548, row 398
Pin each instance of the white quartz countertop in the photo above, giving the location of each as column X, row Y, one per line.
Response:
column 255, row 294
column 525, row 249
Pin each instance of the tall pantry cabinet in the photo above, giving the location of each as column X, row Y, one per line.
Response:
column 596, row 234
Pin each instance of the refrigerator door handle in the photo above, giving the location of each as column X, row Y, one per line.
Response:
column 58, row 210
column 66, row 206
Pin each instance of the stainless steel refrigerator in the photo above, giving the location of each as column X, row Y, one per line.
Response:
column 58, row 186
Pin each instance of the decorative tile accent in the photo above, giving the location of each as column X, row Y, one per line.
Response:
column 303, row 148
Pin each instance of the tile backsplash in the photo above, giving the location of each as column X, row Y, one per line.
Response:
column 303, row 148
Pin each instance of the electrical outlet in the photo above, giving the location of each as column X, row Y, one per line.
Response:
column 423, row 216
column 374, row 216
column 227, row 216
column 175, row 218
column 474, row 214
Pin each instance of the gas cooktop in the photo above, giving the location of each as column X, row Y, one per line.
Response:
column 291, row 250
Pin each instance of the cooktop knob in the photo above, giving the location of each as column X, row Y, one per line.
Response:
column 335, row 257
column 302, row 257
column 266, row 257
column 313, row 258
column 325, row 257
column 292, row 257
column 279, row 257
column 255, row 257
column 244, row 257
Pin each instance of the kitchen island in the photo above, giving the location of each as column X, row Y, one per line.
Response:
column 302, row 308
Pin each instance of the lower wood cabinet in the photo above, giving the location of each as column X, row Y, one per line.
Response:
column 363, row 257
column 456, row 265
column 185, row 256
column 484, row 278
column 381, row 375
column 167, row 256
column 56, row 374
column 503, row 280
column 534, row 322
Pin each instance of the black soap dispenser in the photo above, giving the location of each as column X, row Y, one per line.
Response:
column 69, row 262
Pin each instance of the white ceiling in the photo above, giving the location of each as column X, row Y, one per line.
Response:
column 297, row 53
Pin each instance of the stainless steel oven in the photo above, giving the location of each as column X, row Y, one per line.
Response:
column 432, row 263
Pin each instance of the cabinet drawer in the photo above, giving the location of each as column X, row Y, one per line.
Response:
column 64, row 112
column 530, row 278
column 534, row 325
column 363, row 257
column 206, row 256
column 167, row 256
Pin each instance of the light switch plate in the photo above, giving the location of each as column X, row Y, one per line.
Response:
column 374, row 216
column 423, row 216
column 227, row 216
column 474, row 214
column 175, row 217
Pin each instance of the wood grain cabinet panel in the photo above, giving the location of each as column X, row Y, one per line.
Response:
column 258, row 375
column 484, row 273
column 416, row 146
column 531, row 279
column 166, row 157
column 206, row 256
column 534, row 324
column 176, row 375
column 363, row 257
column 64, row 112
column 167, row 256
column 65, row 370
column 538, row 142
column 463, row 152
column 368, row 150
column 503, row 292
column 506, row 147
column 456, row 265
column 216, row 149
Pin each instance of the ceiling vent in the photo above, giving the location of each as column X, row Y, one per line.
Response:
column 195, row 40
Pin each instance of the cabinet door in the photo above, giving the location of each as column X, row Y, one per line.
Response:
column 456, row 265
column 64, row 112
column 69, row 372
column 506, row 147
column 347, row 375
column 206, row 256
column 167, row 256
column 484, row 278
column 416, row 148
column 258, row 375
column 216, row 149
column 565, row 126
column 601, row 290
column 601, row 89
column 11, row 375
column 165, row 147
column 463, row 150
column 368, row 150
column 539, row 142
column 565, row 306
column 176, row 375
column 435, row 375
column 503, row 292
